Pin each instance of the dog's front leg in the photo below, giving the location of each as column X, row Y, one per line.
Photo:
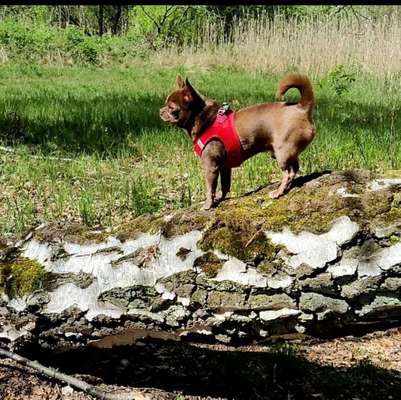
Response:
column 212, row 176
column 225, row 179
column 212, row 160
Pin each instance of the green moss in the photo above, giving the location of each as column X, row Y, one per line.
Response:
column 3, row 244
column 209, row 263
column 391, row 173
column 181, row 222
column 237, row 226
column 71, row 232
column 272, row 265
column 184, row 222
column 143, row 224
column 388, row 214
column 394, row 239
column 199, row 297
column 21, row 277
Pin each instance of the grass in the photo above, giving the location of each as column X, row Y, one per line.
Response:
column 125, row 161
column 315, row 44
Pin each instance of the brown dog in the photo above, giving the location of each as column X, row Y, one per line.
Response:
column 283, row 129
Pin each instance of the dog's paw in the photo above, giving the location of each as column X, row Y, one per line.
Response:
column 207, row 205
column 275, row 194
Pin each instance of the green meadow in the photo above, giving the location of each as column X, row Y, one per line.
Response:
column 87, row 143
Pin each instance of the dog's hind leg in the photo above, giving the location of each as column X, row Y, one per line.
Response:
column 290, row 169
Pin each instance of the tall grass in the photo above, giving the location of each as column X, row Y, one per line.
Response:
column 310, row 44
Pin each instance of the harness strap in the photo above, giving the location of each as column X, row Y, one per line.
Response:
column 224, row 130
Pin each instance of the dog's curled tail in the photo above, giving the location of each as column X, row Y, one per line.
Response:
column 303, row 84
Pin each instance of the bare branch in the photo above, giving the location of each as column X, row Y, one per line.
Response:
column 70, row 380
column 358, row 14
column 151, row 18
column 167, row 14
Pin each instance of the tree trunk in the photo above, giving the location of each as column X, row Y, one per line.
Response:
column 325, row 259
column 101, row 19
column 116, row 20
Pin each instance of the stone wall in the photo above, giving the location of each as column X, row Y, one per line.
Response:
column 323, row 260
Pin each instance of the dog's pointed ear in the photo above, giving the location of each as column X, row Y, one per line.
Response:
column 191, row 90
column 180, row 81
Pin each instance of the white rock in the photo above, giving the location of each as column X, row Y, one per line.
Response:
column 389, row 256
column 34, row 250
column 236, row 271
column 300, row 328
column 86, row 258
column 160, row 288
column 343, row 230
column 168, row 295
column 68, row 295
column 368, row 268
column 383, row 260
column 9, row 332
column 263, row 333
column 379, row 184
column 343, row 193
column 345, row 267
column 18, row 303
column 279, row 283
column 380, row 303
column 204, row 332
column 223, row 316
column 185, row 301
column 275, row 314
column 315, row 250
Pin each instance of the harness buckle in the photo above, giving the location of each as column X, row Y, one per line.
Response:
column 223, row 109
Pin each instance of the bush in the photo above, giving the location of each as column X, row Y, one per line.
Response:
column 88, row 50
column 340, row 79
column 74, row 36
column 15, row 35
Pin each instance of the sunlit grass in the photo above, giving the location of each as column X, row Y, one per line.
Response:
column 125, row 161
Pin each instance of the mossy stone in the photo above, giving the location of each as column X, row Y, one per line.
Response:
column 69, row 232
column 209, row 263
column 273, row 302
column 314, row 302
column 226, row 300
column 199, row 297
column 21, row 276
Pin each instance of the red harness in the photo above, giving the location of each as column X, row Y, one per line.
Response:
column 224, row 130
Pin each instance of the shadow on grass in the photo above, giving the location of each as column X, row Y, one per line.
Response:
column 82, row 126
column 199, row 371
column 104, row 125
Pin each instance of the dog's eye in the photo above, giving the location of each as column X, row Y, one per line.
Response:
column 175, row 112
